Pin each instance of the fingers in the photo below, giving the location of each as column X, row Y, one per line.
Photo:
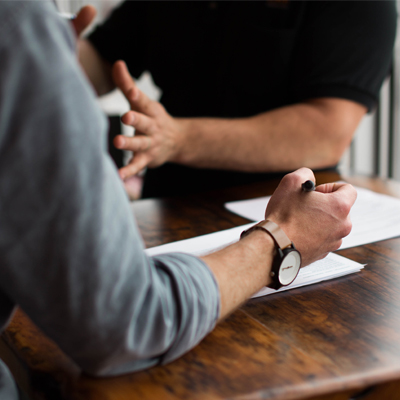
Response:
column 341, row 197
column 139, row 121
column 139, row 162
column 330, row 187
column 122, row 78
column 141, row 103
column 303, row 174
column 136, row 98
column 294, row 180
column 347, row 227
column 84, row 18
column 344, row 192
column 328, row 207
column 138, row 143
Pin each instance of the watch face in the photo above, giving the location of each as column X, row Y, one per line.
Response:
column 289, row 267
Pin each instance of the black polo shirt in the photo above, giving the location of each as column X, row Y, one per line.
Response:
column 236, row 59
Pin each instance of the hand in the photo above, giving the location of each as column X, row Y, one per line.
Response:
column 157, row 134
column 84, row 18
column 315, row 221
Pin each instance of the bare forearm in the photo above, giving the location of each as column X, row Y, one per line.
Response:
column 97, row 70
column 313, row 134
column 241, row 269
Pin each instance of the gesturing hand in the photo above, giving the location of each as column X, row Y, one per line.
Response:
column 315, row 221
column 157, row 134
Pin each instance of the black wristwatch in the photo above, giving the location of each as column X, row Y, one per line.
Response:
column 287, row 260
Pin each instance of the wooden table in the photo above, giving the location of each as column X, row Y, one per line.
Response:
column 335, row 340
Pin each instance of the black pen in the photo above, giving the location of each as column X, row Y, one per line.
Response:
column 308, row 186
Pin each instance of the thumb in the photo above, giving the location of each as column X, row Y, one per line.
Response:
column 84, row 18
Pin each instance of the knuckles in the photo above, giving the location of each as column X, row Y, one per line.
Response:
column 338, row 244
column 290, row 180
column 296, row 178
column 154, row 108
column 342, row 206
column 347, row 226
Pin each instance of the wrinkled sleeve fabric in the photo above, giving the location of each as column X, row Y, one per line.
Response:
column 344, row 49
column 70, row 252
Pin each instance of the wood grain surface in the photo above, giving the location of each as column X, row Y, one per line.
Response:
column 335, row 340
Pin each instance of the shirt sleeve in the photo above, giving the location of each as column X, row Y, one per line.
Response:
column 344, row 49
column 70, row 252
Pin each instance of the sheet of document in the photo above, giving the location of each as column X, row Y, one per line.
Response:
column 374, row 216
column 333, row 266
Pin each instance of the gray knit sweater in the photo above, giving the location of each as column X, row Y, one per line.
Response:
column 71, row 255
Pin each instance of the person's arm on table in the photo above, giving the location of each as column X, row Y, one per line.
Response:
column 244, row 268
column 314, row 133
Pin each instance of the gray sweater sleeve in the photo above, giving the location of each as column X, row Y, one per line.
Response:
column 70, row 252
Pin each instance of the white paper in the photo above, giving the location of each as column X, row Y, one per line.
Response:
column 332, row 266
column 201, row 245
column 374, row 216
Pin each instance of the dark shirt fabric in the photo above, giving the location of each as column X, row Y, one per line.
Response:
column 71, row 255
column 238, row 59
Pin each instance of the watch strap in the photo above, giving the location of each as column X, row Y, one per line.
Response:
column 283, row 246
column 278, row 235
